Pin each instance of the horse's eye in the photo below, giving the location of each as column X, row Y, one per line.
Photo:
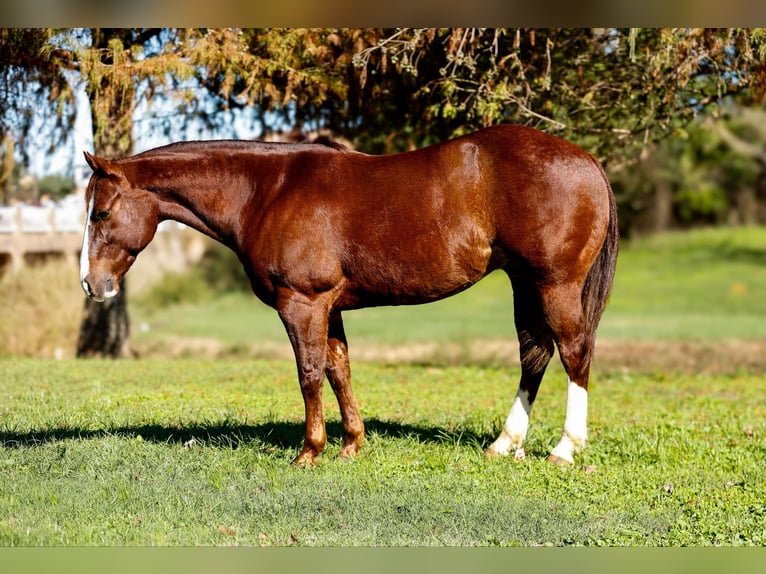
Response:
column 102, row 214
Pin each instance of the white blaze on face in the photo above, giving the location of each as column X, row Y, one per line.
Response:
column 84, row 262
column 575, row 423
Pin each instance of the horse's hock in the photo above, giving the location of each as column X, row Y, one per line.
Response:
column 32, row 235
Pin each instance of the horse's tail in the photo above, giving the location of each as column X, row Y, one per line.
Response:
column 598, row 282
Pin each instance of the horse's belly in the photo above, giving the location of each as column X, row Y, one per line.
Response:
column 414, row 280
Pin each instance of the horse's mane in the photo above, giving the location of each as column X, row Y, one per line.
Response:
column 326, row 141
column 241, row 145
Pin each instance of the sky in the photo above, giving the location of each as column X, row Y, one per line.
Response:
column 71, row 155
column 69, row 158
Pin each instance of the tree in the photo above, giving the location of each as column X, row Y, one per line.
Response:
column 34, row 85
column 41, row 67
column 56, row 186
column 6, row 169
column 614, row 91
column 611, row 90
column 742, row 133
column 120, row 68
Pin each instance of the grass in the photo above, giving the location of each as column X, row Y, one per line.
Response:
column 27, row 324
column 197, row 452
column 169, row 452
column 705, row 284
column 239, row 319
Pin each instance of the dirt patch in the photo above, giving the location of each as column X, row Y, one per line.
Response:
column 711, row 357
column 692, row 357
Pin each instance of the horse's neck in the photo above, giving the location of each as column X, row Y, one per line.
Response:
column 186, row 210
column 209, row 202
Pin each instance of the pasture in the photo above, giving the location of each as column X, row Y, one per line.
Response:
column 195, row 450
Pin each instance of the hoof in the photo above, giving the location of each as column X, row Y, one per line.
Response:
column 346, row 457
column 518, row 455
column 349, row 452
column 558, row 461
column 304, row 460
column 491, row 453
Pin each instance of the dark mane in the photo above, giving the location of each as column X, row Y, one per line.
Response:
column 201, row 146
column 326, row 141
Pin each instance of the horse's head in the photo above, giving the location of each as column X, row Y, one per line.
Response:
column 121, row 220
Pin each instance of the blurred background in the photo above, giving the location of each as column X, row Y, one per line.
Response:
column 675, row 115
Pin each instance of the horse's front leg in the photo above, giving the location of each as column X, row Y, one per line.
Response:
column 305, row 320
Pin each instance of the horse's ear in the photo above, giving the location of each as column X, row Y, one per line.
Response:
column 100, row 165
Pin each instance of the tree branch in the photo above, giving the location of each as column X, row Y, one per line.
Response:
column 737, row 144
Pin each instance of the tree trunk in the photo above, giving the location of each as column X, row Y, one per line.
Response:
column 6, row 171
column 105, row 329
column 662, row 208
column 760, row 191
column 745, row 208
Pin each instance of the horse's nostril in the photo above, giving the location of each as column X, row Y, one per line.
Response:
column 108, row 285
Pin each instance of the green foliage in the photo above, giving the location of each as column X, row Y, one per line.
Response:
column 176, row 288
column 222, row 270
column 704, row 175
column 705, row 203
column 609, row 89
column 194, row 452
column 56, row 186
column 34, row 85
column 616, row 92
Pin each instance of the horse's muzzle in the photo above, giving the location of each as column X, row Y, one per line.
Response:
column 89, row 291
column 106, row 291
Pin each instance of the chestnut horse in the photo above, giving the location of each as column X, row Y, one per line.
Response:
column 321, row 229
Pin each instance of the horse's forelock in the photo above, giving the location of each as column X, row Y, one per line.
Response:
column 90, row 189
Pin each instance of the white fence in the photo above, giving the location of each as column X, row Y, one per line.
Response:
column 66, row 217
column 46, row 219
column 29, row 232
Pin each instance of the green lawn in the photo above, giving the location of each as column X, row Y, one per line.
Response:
column 186, row 452
column 703, row 284
column 197, row 452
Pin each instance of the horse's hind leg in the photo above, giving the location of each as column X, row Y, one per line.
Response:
column 536, row 350
column 564, row 313
column 338, row 373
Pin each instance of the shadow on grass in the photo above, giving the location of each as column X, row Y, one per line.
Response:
column 280, row 435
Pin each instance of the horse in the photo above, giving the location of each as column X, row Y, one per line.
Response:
column 321, row 229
